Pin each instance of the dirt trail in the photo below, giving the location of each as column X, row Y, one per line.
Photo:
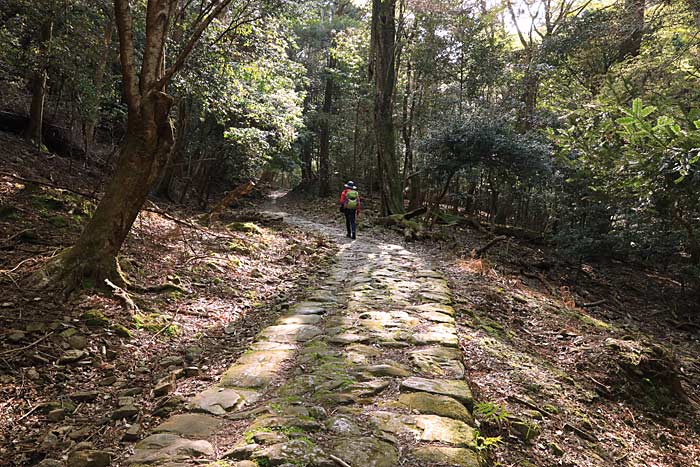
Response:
column 365, row 372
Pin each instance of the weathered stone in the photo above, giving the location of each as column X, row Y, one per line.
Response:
column 171, row 360
column 165, row 386
column 456, row 389
column 130, row 392
column 387, row 370
column 369, row 388
column 133, row 433
column 84, row 396
column 525, row 430
column 290, row 333
column 457, row 457
column 169, row 447
column 81, row 433
column 443, row 298
column 342, row 425
column 191, row 425
column 348, row 338
column 296, row 451
column 366, row 452
column 433, row 404
column 394, row 423
column 443, row 334
column 89, row 459
column 437, row 317
column 71, row 356
column 242, row 451
column 444, row 430
column 107, row 381
column 255, row 369
column 301, row 319
column 35, row 327
column 56, row 415
column 218, row 400
column 269, row 437
column 127, row 412
column 125, row 400
column 308, row 308
column 77, row 342
column 439, row 361
column 50, row 463
column 16, row 336
column 434, row 307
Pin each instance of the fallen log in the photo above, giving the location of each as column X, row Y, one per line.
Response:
column 480, row 251
column 231, row 197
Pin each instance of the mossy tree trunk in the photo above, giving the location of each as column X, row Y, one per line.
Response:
column 148, row 142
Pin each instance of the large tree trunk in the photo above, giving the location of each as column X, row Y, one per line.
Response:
column 38, row 84
column 383, row 13
column 148, row 142
column 632, row 29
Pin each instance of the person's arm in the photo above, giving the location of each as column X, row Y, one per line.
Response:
column 342, row 196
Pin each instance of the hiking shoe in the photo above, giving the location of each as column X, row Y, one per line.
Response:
column 353, row 236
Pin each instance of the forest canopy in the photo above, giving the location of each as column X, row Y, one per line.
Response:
column 576, row 119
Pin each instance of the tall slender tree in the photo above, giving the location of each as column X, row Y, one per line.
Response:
column 149, row 136
column 383, row 69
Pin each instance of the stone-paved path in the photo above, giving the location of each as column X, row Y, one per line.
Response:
column 365, row 373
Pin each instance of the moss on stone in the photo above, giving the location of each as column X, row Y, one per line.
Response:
column 248, row 227
column 95, row 319
column 121, row 331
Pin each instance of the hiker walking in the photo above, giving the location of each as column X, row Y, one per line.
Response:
column 350, row 206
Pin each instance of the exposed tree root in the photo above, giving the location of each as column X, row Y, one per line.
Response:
column 124, row 297
column 480, row 251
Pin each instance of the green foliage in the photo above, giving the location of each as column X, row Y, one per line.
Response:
column 490, row 412
column 488, row 443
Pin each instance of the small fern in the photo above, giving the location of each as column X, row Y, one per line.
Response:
column 490, row 412
column 488, row 443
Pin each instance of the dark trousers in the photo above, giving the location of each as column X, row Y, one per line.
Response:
column 350, row 220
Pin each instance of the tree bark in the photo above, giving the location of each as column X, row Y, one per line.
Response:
column 148, row 142
column 383, row 13
column 38, row 84
column 325, row 131
column 177, row 154
column 89, row 132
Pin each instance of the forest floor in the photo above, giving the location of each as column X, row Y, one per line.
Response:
column 555, row 380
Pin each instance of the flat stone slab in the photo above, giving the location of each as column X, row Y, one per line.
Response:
column 308, row 308
column 434, row 307
column 442, row 337
column 445, row 430
column 438, row 297
column 366, row 452
column 190, row 425
column 218, row 400
column 301, row 319
column 162, row 447
column 434, row 404
column 446, row 387
column 439, row 361
column 385, row 369
column 348, row 338
column 290, row 333
column 396, row 424
column 437, row 317
column 255, row 369
column 458, row 457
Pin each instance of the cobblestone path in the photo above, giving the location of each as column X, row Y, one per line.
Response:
column 366, row 372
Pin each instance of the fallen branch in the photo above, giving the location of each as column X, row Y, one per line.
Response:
column 592, row 304
column 582, row 433
column 124, row 296
column 339, row 461
column 477, row 253
column 231, row 197
column 162, row 330
column 28, row 346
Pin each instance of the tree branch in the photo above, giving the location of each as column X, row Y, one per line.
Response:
column 125, row 27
